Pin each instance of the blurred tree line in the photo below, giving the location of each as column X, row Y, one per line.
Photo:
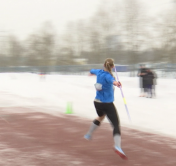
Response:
column 120, row 30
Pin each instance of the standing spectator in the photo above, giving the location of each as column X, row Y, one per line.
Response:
column 154, row 83
column 149, row 80
column 141, row 75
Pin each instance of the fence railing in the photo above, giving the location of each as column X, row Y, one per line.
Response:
column 163, row 70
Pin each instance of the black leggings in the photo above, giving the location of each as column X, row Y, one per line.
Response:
column 109, row 110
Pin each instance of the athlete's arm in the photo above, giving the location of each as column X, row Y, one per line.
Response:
column 110, row 79
column 94, row 72
column 90, row 74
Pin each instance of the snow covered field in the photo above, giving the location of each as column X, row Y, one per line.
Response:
column 52, row 94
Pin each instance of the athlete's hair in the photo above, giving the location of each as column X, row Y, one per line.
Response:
column 109, row 64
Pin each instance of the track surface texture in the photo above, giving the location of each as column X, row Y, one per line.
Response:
column 39, row 139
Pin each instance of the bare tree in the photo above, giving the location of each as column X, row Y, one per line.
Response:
column 41, row 46
column 168, row 37
column 15, row 51
column 47, row 41
column 102, row 27
column 133, row 30
column 81, row 37
column 33, row 50
column 66, row 51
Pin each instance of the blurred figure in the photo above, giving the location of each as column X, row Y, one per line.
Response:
column 148, row 79
column 42, row 75
column 141, row 74
column 154, row 84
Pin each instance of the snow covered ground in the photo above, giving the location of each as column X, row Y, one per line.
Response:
column 51, row 95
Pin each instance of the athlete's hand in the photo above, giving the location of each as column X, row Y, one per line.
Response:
column 118, row 84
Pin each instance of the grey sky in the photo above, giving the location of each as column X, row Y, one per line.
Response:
column 22, row 17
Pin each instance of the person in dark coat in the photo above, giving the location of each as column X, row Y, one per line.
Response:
column 154, row 83
column 141, row 74
column 149, row 81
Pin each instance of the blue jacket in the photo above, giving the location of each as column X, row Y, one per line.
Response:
column 106, row 95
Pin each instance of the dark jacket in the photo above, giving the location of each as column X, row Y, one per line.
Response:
column 141, row 80
column 148, row 78
column 141, row 71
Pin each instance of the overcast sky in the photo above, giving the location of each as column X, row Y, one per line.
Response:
column 22, row 17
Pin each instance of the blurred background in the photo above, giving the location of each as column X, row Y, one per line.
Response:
column 77, row 35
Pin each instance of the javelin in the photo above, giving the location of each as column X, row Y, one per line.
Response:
column 123, row 96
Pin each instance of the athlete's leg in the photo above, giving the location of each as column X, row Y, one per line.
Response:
column 96, row 122
column 100, row 118
column 114, row 119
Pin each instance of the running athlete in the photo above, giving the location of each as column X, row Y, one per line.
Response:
column 104, row 105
